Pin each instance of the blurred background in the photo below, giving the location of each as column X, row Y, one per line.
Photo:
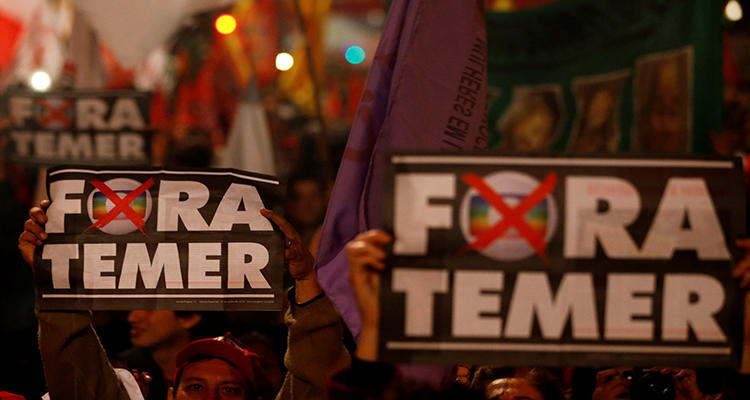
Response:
column 272, row 86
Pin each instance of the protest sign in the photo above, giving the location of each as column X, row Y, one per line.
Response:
column 93, row 127
column 158, row 239
column 562, row 261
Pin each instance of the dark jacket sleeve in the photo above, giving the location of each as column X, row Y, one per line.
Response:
column 365, row 380
column 75, row 364
column 316, row 349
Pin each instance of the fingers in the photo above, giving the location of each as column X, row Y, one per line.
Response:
column 27, row 242
column 36, row 229
column 605, row 376
column 362, row 253
column 286, row 228
column 360, row 249
column 29, row 238
column 371, row 262
column 375, row 236
column 37, row 214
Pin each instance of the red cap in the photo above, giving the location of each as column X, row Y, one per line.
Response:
column 225, row 348
column 10, row 396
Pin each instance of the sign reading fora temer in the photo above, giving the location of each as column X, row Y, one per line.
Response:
column 92, row 127
column 567, row 261
column 159, row 239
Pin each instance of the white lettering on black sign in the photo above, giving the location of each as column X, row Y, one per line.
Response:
column 83, row 127
column 566, row 261
column 123, row 239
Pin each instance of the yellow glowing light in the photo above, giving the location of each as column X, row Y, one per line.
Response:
column 225, row 24
column 733, row 11
column 284, row 61
column 40, row 81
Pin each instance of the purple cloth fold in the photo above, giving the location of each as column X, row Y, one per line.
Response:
column 426, row 90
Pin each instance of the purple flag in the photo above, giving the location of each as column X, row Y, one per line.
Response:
column 426, row 90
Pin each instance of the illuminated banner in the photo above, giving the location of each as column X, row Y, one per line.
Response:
column 94, row 127
column 562, row 261
column 157, row 239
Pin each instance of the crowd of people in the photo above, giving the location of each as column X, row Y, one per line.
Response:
column 185, row 355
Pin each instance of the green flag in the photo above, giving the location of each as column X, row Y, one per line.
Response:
column 591, row 76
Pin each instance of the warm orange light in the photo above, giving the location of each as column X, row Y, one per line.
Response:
column 225, row 24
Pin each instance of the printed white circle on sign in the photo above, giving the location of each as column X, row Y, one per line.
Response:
column 478, row 216
column 98, row 205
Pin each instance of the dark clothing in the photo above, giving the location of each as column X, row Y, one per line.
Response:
column 74, row 361
column 137, row 358
column 77, row 367
column 366, row 380
column 315, row 350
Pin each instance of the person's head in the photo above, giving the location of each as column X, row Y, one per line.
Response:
column 463, row 375
column 512, row 389
column 306, row 200
column 524, row 384
column 156, row 328
column 216, row 368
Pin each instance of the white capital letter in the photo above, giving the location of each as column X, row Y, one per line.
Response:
column 93, row 265
column 60, row 205
column 199, row 265
column 90, row 114
column 171, row 208
column 22, row 140
column 131, row 146
column 420, row 285
column 413, row 213
column 228, row 212
column 239, row 269
column 575, row 300
column 60, row 256
column 686, row 197
column 469, row 302
column 584, row 224
column 622, row 305
column 137, row 259
column 679, row 311
column 20, row 109
column 125, row 113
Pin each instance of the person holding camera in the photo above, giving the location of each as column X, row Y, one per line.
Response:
column 658, row 383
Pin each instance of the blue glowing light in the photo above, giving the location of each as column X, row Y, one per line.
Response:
column 354, row 55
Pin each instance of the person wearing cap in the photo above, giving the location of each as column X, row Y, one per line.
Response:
column 219, row 367
column 76, row 366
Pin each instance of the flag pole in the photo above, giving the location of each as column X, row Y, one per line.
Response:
column 322, row 134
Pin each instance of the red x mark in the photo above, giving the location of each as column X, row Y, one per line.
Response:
column 122, row 205
column 512, row 217
column 55, row 113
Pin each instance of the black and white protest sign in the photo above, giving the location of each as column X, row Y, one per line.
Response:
column 93, row 127
column 562, row 261
column 158, row 239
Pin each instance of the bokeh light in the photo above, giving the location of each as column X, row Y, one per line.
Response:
column 225, row 24
column 354, row 55
column 284, row 61
column 733, row 11
column 40, row 81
